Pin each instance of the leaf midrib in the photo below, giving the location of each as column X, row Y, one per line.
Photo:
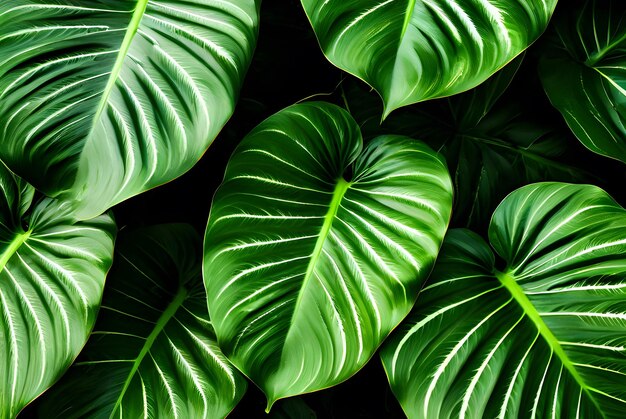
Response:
column 408, row 15
column 510, row 283
column 340, row 190
column 131, row 31
column 14, row 245
column 410, row 9
column 167, row 315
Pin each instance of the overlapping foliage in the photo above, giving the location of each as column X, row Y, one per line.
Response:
column 326, row 232
column 153, row 352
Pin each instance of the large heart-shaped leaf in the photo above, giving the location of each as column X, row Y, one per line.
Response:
column 52, row 272
column 315, row 247
column 414, row 50
column 583, row 70
column 543, row 337
column 101, row 100
column 153, row 352
column 493, row 141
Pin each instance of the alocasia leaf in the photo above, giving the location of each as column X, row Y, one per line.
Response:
column 102, row 100
column 52, row 272
column 316, row 246
column 153, row 353
column 414, row 50
column 542, row 334
column 583, row 69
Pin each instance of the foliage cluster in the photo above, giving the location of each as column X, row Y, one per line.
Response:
column 409, row 208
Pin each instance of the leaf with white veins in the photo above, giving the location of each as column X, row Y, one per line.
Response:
column 102, row 100
column 316, row 247
column 543, row 337
column 153, row 352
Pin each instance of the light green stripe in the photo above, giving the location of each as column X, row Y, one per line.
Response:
column 593, row 59
column 131, row 31
column 340, row 190
column 408, row 14
column 508, row 280
column 179, row 298
column 13, row 247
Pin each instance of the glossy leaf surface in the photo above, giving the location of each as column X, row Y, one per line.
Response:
column 102, row 100
column 414, row 50
column 52, row 272
column 153, row 352
column 544, row 337
column 583, row 70
column 316, row 247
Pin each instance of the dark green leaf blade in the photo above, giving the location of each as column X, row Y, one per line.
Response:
column 414, row 50
column 494, row 137
column 315, row 248
column 583, row 70
column 52, row 272
column 153, row 352
column 102, row 100
column 546, row 336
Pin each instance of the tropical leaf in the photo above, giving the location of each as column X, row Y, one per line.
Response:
column 544, row 337
column 414, row 50
column 52, row 272
column 583, row 70
column 102, row 100
column 153, row 352
column 315, row 247
column 493, row 141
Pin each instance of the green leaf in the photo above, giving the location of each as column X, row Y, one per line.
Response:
column 153, row 352
column 414, row 50
column 100, row 101
column 315, row 247
column 52, row 272
column 583, row 70
column 493, row 141
column 543, row 337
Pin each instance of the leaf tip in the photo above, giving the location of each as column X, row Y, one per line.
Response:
column 386, row 111
column 388, row 107
column 270, row 403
